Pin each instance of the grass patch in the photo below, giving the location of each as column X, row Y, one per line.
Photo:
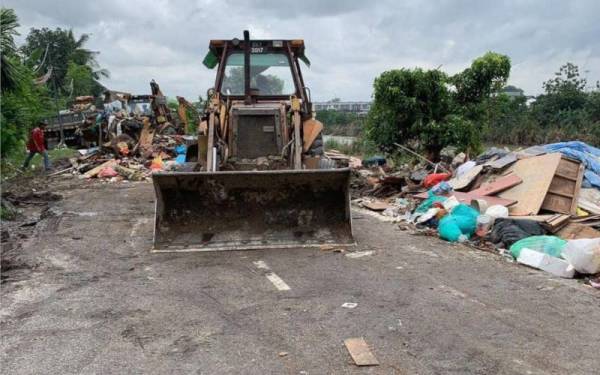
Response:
column 360, row 147
column 10, row 166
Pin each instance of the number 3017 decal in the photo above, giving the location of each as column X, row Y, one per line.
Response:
column 256, row 49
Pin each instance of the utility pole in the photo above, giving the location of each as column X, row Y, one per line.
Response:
column 62, row 143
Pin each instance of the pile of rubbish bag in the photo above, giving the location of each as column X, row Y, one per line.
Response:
column 540, row 204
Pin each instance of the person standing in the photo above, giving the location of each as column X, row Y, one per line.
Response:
column 37, row 145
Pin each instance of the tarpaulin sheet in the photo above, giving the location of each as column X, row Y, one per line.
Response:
column 588, row 155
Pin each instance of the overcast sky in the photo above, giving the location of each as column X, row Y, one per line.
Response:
column 349, row 42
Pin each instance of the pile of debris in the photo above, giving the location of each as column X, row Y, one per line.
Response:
column 122, row 159
column 544, row 200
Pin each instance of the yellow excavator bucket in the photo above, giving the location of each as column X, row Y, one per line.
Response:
column 239, row 210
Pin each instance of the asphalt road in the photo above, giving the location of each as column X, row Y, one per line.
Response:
column 99, row 302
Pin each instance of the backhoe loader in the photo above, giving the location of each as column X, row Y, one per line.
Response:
column 257, row 177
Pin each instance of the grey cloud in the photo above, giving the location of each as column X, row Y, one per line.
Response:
column 348, row 42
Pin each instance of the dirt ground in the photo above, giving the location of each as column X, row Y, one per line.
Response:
column 86, row 296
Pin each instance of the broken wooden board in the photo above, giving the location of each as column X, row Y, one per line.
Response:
column 586, row 219
column 146, row 137
column 537, row 173
column 94, row 171
column 551, row 223
column 589, row 200
column 500, row 184
column 360, row 352
column 466, row 198
column 563, row 192
column 503, row 162
column 575, row 231
column 465, row 180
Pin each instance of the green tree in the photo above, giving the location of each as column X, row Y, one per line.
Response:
column 409, row 104
column 81, row 79
column 566, row 110
column 486, row 75
column 21, row 108
column 56, row 49
column 416, row 105
column 340, row 122
column 10, row 74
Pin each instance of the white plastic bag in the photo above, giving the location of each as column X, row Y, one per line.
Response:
column 583, row 254
column 497, row 211
column 545, row 262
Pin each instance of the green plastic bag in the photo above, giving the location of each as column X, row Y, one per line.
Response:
column 427, row 203
column 550, row 245
column 461, row 222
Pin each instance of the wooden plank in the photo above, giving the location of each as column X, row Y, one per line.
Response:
column 94, row 171
column 576, row 231
column 466, row 198
column 589, row 200
column 538, row 218
column 562, row 186
column 563, row 191
column 537, row 174
column 551, row 223
column 583, row 219
column 557, row 203
column 498, row 185
column 568, row 169
column 503, row 161
column 360, row 352
column 577, row 189
column 146, row 136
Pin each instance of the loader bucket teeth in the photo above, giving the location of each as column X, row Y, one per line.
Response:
column 239, row 210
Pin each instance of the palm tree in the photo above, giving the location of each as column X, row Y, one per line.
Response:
column 10, row 73
column 84, row 56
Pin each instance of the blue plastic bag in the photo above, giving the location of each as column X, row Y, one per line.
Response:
column 427, row 203
column 460, row 223
column 588, row 155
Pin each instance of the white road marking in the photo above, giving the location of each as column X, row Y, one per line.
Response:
column 350, row 305
column 136, row 226
column 272, row 276
column 360, row 254
column 261, row 264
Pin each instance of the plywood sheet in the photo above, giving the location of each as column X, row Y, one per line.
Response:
column 360, row 352
column 537, row 174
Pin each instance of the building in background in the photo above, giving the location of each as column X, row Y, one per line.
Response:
column 362, row 108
